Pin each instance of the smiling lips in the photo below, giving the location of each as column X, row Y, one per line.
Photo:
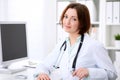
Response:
column 67, row 27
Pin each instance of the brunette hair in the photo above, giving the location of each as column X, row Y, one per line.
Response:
column 83, row 16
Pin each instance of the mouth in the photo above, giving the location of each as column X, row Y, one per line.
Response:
column 67, row 26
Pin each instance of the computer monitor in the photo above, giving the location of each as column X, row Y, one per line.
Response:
column 13, row 42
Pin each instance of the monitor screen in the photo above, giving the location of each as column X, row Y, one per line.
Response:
column 13, row 42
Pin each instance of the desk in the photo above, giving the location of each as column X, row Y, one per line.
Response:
column 28, row 73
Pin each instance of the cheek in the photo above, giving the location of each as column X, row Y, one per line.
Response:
column 75, row 25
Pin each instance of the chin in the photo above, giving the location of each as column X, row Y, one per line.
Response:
column 67, row 31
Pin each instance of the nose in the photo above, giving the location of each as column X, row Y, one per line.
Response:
column 68, row 21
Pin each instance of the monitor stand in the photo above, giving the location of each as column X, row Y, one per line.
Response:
column 11, row 71
column 12, row 68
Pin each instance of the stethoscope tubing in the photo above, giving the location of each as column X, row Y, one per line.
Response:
column 56, row 66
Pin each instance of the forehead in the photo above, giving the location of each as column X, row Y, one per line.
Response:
column 71, row 12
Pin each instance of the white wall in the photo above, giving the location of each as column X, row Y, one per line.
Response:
column 41, row 23
column 3, row 9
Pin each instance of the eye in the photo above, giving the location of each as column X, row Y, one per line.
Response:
column 66, row 16
column 74, row 19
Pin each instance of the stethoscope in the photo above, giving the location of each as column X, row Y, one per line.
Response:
column 56, row 66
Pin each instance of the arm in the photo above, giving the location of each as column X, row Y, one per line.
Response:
column 105, row 69
column 46, row 65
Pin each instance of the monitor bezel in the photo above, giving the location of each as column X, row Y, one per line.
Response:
column 9, row 62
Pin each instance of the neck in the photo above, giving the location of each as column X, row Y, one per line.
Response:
column 73, row 38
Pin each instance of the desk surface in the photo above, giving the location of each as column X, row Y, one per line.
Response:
column 28, row 73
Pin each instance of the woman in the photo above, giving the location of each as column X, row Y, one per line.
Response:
column 78, row 57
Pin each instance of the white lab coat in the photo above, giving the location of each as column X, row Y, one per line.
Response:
column 92, row 56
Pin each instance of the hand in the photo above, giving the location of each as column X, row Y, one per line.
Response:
column 43, row 76
column 81, row 73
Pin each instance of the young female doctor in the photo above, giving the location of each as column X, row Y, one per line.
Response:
column 78, row 57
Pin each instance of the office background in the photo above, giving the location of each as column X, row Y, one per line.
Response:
column 41, row 23
column 42, row 33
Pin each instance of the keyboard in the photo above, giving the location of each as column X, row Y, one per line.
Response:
column 11, row 71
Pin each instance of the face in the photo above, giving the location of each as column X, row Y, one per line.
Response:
column 70, row 21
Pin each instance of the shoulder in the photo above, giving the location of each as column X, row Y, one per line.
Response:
column 92, row 42
column 94, row 46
